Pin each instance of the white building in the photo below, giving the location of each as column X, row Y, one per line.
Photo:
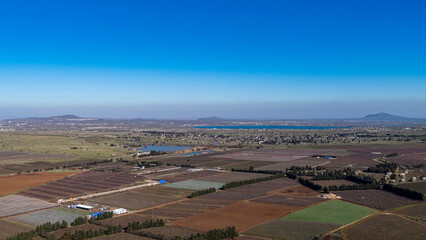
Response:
column 119, row 211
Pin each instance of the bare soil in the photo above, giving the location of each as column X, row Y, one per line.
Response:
column 16, row 183
column 378, row 199
column 243, row 215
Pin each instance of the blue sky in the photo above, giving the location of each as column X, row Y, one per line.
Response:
column 185, row 59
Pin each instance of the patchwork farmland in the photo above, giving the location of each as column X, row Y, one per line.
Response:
column 143, row 198
column 9, row 228
column 243, row 215
column 15, row 204
column 272, row 209
column 291, row 230
column 15, row 183
column 51, row 215
column 378, row 199
column 386, row 226
column 79, row 184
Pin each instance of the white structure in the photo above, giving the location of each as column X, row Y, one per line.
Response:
column 85, row 207
column 119, row 211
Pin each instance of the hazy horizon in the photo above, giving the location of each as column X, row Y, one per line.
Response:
column 192, row 59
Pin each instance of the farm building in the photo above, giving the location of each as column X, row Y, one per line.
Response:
column 85, row 207
column 119, row 211
column 94, row 214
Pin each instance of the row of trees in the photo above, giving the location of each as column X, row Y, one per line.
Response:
column 215, row 234
column 345, row 187
column 24, row 236
column 102, row 216
column 383, row 168
column 251, row 170
column 251, row 181
column 364, row 182
column 86, row 234
column 79, row 221
column 136, row 225
column 201, row 192
column 49, row 227
column 333, row 175
column 404, row 192
column 40, row 230
column 308, row 183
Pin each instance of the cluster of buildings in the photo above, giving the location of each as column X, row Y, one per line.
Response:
column 402, row 177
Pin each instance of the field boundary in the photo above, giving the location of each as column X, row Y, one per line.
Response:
column 152, row 183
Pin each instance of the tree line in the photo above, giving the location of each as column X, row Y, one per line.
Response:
column 86, row 234
column 136, row 225
column 215, row 234
column 251, row 170
column 201, row 192
column 404, row 192
column 251, row 181
column 383, row 168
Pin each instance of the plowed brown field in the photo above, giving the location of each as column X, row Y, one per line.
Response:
column 15, row 183
column 242, row 215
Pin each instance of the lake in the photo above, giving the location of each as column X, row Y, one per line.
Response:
column 267, row 127
column 162, row 148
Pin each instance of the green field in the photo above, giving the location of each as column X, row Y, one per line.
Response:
column 336, row 211
column 194, row 185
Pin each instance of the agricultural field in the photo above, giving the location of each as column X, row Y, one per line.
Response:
column 14, row 204
column 378, row 199
column 334, row 212
column 51, row 215
column 194, row 185
column 15, row 183
column 282, row 166
column 232, row 176
column 243, row 215
column 416, row 211
column 187, row 208
column 248, row 164
column 8, row 158
column 265, row 187
column 289, row 200
column 416, row 186
column 328, row 183
column 205, row 161
column 9, row 228
column 79, row 184
column 282, row 155
column 355, row 160
column 167, row 232
column 143, row 197
column 79, row 146
column 298, row 190
column 187, row 175
column 386, row 226
column 291, row 230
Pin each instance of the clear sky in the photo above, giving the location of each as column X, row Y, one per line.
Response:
column 233, row 59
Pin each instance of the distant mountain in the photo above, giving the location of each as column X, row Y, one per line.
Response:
column 387, row 117
column 68, row 116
